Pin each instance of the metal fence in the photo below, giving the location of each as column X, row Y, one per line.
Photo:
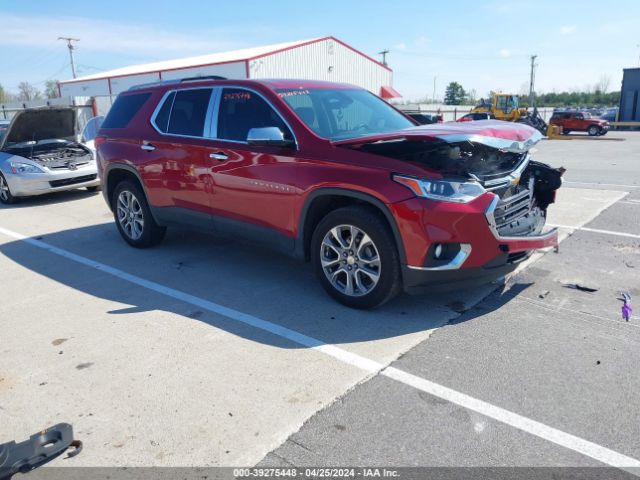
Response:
column 451, row 113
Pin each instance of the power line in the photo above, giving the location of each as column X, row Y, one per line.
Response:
column 71, row 48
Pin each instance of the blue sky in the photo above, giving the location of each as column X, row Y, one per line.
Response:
column 483, row 45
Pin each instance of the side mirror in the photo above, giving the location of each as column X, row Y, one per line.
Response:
column 268, row 137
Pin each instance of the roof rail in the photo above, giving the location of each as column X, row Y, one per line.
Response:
column 152, row 84
column 206, row 77
column 180, row 80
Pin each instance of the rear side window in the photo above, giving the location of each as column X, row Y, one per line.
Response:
column 189, row 112
column 124, row 109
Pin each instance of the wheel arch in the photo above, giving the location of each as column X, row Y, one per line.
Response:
column 324, row 200
column 117, row 172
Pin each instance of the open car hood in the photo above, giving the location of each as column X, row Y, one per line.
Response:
column 41, row 124
column 506, row 136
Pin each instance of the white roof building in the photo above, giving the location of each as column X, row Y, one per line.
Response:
column 325, row 58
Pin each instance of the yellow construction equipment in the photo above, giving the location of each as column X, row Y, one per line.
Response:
column 505, row 106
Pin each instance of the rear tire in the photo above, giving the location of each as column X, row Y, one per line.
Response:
column 593, row 130
column 133, row 216
column 356, row 258
column 6, row 196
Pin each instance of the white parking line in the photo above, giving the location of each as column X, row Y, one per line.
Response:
column 600, row 184
column 528, row 425
column 597, row 230
column 571, row 442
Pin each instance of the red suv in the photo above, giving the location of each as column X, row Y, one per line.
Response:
column 579, row 122
column 329, row 173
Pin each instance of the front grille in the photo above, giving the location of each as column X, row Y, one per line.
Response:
column 65, row 166
column 72, row 181
column 511, row 208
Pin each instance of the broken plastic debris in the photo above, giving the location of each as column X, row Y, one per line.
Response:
column 582, row 288
column 626, row 307
column 543, row 294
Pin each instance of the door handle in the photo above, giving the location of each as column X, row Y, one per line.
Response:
column 147, row 146
column 219, row 156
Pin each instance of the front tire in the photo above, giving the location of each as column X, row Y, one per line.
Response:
column 6, row 196
column 355, row 257
column 133, row 216
column 593, row 130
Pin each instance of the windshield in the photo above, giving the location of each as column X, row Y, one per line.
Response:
column 338, row 114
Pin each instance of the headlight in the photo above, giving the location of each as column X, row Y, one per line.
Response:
column 19, row 167
column 442, row 190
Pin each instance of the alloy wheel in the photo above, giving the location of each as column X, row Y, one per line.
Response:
column 350, row 260
column 4, row 189
column 130, row 215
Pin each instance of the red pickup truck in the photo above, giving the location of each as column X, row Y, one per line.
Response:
column 579, row 122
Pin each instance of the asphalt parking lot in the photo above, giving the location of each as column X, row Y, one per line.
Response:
column 204, row 351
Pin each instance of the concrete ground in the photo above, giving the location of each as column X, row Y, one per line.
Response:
column 207, row 352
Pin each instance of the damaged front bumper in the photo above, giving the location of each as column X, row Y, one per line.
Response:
column 471, row 249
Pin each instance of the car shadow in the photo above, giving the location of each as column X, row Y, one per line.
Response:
column 51, row 198
column 240, row 276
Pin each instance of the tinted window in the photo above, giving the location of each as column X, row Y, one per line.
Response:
column 162, row 118
column 344, row 113
column 241, row 110
column 189, row 112
column 123, row 110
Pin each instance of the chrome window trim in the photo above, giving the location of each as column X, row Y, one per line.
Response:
column 156, row 111
column 161, row 103
column 454, row 264
column 268, row 102
column 212, row 114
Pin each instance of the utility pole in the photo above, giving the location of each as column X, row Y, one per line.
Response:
column 532, row 80
column 433, row 98
column 71, row 49
column 384, row 56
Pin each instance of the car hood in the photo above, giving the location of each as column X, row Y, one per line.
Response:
column 506, row 136
column 41, row 124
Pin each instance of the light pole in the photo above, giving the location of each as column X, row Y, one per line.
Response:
column 532, row 80
column 384, row 56
column 433, row 98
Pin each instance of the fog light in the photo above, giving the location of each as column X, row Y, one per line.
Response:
column 437, row 252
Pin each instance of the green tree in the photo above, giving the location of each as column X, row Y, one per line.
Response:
column 454, row 94
column 595, row 98
column 51, row 89
column 3, row 94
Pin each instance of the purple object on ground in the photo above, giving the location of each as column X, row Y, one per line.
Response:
column 626, row 311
